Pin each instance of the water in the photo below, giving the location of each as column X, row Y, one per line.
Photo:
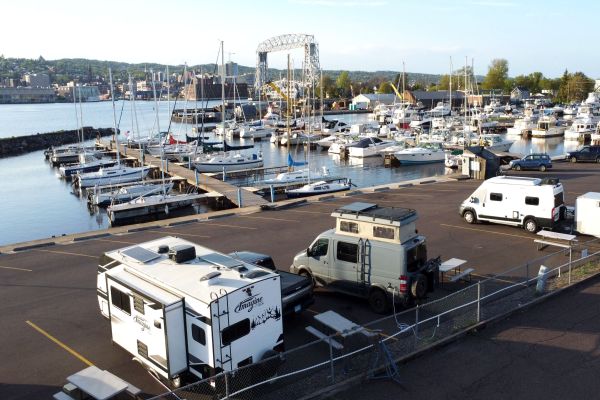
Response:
column 37, row 204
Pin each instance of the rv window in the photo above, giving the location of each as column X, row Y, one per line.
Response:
column 496, row 196
column 347, row 252
column 235, row 331
column 416, row 257
column 383, row 232
column 558, row 199
column 198, row 334
column 532, row 201
column 347, row 226
column 120, row 300
column 138, row 304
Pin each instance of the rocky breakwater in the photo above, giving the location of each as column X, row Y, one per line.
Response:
column 16, row 145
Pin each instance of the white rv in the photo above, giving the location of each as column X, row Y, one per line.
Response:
column 587, row 214
column 374, row 252
column 186, row 311
column 532, row 203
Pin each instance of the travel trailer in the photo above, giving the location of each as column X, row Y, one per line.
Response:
column 532, row 203
column 373, row 252
column 587, row 214
column 186, row 312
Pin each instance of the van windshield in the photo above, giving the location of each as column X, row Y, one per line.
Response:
column 416, row 257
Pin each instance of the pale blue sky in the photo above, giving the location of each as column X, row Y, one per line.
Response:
column 546, row 36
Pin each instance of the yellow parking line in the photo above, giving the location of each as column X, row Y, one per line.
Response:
column 61, row 344
column 180, row 233
column 486, row 231
column 66, row 252
column 270, row 218
column 18, row 269
column 229, row 226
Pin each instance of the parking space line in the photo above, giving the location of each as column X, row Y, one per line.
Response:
column 309, row 212
column 486, row 231
column 18, row 269
column 180, row 233
column 115, row 241
column 67, row 253
column 230, row 226
column 59, row 343
column 269, row 218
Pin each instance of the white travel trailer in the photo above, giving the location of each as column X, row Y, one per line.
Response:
column 186, row 311
column 532, row 203
column 587, row 214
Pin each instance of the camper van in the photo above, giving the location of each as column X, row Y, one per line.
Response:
column 532, row 203
column 186, row 312
column 373, row 252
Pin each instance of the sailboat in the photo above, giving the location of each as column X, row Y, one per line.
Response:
column 118, row 173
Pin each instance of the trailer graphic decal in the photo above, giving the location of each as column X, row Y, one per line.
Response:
column 266, row 315
column 249, row 303
column 142, row 322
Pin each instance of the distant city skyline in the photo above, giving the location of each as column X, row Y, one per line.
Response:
column 547, row 36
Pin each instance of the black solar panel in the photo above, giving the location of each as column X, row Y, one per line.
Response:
column 140, row 254
column 357, row 207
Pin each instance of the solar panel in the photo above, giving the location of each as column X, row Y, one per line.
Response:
column 140, row 254
column 357, row 207
column 221, row 260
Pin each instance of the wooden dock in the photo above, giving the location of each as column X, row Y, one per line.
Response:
column 238, row 196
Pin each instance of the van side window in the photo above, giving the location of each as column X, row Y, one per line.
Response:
column 383, row 232
column 496, row 196
column 416, row 257
column 198, row 334
column 532, row 201
column 235, row 331
column 120, row 300
column 319, row 248
column 347, row 252
column 347, row 226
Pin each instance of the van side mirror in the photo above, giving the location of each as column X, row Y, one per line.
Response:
column 308, row 251
column 473, row 200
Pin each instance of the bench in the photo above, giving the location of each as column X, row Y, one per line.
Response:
column 461, row 275
column 315, row 332
column 62, row 396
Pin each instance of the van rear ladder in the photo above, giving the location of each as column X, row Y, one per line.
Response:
column 364, row 247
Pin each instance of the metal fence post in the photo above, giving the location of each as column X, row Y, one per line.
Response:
column 223, row 174
column 478, row 301
column 570, row 261
column 331, row 360
column 272, row 193
column 226, row 385
column 239, row 197
column 196, row 176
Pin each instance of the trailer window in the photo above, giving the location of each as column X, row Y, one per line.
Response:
column 383, row 232
column 496, row 196
column 416, row 257
column 198, row 334
column 347, row 226
column 532, row 201
column 347, row 252
column 235, row 331
column 120, row 300
column 138, row 304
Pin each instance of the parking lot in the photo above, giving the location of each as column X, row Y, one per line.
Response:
column 53, row 328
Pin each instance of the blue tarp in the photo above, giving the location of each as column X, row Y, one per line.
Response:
column 292, row 163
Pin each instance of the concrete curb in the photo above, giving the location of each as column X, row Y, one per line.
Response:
column 90, row 237
column 34, row 246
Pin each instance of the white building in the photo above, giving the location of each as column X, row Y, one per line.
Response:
column 370, row 100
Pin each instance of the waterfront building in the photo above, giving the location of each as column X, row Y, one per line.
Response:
column 519, row 94
column 370, row 100
column 37, row 80
column 88, row 93
column 211, row 87
column 20, row 95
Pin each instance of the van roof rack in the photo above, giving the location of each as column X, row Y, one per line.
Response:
column 360, row 209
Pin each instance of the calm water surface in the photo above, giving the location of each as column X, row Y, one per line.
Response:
column 37, row 204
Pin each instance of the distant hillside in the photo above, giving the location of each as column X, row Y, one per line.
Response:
column 84, row 70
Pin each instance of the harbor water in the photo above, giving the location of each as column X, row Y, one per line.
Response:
column 37, row 204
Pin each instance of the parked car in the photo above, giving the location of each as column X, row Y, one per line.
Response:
column 586, row 153
column 540, row 162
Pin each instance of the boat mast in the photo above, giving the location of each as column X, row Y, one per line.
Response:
column 132, row 99
column 162, row 147
column 223, row 93
column 450, row 86
column 289, row 128
column 112, row 99
column 77, row 117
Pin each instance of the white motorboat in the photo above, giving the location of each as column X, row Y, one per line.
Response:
column 333, row 126
column 523, row 126
column 495, row 142
column 420, row 155
column 106, row 196
column 256, row 132
column 595, row 136
column 441, row 109
column 453, row 159
column 368, row 147
column 298, row 137
column 228, row 161
column 320, row 187
column 111, row 176
column 580, row 129
column 403, row 116
column 547, row 126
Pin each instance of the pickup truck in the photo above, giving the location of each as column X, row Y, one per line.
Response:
column 296, row 290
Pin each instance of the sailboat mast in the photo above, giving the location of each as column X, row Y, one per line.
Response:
column 450, row 86
column 169, row 97
column 77, row 115
column 289, row 128
column 162, row 147
column 223, row 92
column 112, row 99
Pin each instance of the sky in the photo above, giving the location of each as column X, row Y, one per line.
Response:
column 548, row 36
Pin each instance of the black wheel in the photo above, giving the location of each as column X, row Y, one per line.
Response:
column 530, row 225
column 470, row 217
column 378, row 301
column 573, row 159
column 598, row 160
column 517, row 167
column 542, row 168
column 308, row 275
column 418, row 288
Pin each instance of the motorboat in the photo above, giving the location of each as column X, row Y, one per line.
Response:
column 228, row 161
column 111, row 176
column 580, row 129
column 368, row 147
column 333, row 126
column 107, row 195
column 320, row 187
column 256, row 132
column 420, row 155
column 523, row 126
column 495, row 142
column 453, row 158
column 87, row 163
column 548, row 126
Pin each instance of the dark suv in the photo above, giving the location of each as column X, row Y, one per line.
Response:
column 586, row 153
column 540, row 162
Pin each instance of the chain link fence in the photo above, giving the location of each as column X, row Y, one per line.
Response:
column 373, row 350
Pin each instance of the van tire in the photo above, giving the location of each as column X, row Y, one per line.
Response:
column 542, row 168
column 530, row 225
column 418, row 288
column 470, row 216
column 378, row 301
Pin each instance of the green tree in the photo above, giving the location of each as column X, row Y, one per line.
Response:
column 497, row 75
column 444, row 83
column 343, row 83
column 574, row 87
column 385, row 87
column 328, row 86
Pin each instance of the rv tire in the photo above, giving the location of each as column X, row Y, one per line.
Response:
column 378, row 301
column 470, row 216
column 418, row 289
column 530, row 225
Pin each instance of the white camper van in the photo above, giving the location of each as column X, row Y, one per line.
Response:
column 532, row 203
column 373, row 252
column 186, row 311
